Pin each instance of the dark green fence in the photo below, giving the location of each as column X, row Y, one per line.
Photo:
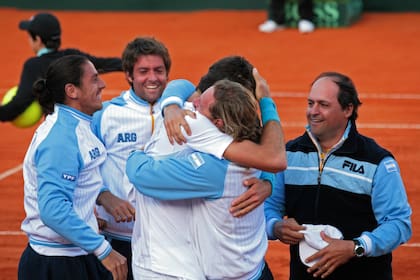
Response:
column 186, row 5
column 327, row 13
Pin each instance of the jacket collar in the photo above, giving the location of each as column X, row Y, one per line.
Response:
column 347, row 143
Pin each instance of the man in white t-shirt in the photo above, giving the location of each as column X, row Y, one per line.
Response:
column 167, row 228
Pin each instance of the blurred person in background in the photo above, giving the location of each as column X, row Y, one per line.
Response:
column 276, row 16
column 44, row 34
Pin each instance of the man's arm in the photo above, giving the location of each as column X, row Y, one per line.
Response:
column 270, row 153
column 117, row 264
column 24, row 96
column 120, row 209
column 267, row 155
column 274, row 206
column 105, row 64
column 258, row 191
column 177, row 92
column 198, row 175
column 392, row 211
column 278, row 227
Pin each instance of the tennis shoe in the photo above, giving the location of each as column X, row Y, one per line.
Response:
column 270, row 26
column 306, row 26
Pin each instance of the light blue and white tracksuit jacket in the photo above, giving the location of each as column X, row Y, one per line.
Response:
column 124, row 124
column 62, row 182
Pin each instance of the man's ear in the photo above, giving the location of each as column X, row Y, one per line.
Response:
column 219, row 123
column 71, row 91
column 38, row 39
column 128, row 77
column 349, row 110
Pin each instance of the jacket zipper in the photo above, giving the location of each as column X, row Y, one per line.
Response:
column 152, row 118
column 322, row 158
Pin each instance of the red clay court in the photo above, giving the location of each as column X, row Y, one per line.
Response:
column 379, row 52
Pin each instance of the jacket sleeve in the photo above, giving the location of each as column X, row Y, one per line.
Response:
column 274, row 205
column 55, row 194
column 197, row 175
column 106, row 64
column 392, row 211
column 24, row 95
column 177, row 92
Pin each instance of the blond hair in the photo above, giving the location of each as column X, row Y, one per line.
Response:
column 237, row 108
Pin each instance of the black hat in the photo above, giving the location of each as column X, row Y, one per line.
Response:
column 44, row 25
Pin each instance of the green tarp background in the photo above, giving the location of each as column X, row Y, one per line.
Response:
column 186, row 5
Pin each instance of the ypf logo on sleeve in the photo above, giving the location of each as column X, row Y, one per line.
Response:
column 68, row 177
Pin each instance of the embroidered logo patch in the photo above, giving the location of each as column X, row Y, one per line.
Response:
column 196, row 160
column 390, row 166
column 68, row 177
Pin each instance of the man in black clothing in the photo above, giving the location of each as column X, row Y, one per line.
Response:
column 45, row 39
column 277, row 16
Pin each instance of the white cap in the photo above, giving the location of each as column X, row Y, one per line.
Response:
column 313, row 241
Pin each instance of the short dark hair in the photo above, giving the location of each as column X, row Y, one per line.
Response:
column 49, row 43
column 234, row 68
column 144, row 46
column 347, row 93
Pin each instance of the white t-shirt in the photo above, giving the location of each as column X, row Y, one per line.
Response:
column 161, row 238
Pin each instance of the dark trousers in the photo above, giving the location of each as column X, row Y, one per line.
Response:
column 33, row 266
column 124, row 248
column 266, row 273
column 276, row 10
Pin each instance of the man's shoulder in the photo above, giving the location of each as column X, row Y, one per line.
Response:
column 34, row 60
column 35, row 67
column 70, row 51
column 119, row 101
column 370, row 147
column 108, row 106
column 47, row 58
column 299, row 142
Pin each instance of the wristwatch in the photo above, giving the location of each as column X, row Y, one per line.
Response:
column 358, row 250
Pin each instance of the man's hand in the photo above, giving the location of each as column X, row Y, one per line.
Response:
column 117, row 264
column 174, row 119
column 336, row 253
column 258, row 191
column 101, row 222
column 120, row 209
column 287, row 231
column 262, row 89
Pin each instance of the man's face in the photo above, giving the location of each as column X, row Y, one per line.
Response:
column 203, row 102
column 149, row 77
column 90, row 95
column 324, row 114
